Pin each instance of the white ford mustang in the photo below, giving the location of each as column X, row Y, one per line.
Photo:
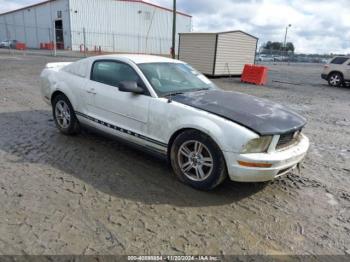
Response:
column 167, row 106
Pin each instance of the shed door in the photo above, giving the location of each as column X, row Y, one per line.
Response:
column 233, row 52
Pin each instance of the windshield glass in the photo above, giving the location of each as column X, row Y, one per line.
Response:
column 173, row 78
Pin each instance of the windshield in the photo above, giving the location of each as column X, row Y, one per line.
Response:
column 173, row 78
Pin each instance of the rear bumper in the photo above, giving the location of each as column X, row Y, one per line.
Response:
column 324, row 76
column 281, row 163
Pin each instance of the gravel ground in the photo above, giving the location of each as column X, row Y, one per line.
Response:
column 93, row 195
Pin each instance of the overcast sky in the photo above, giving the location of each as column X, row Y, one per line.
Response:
column 318, row 26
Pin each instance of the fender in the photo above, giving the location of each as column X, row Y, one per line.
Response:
column 201, row 124
column 217, row 131
column 61, row 86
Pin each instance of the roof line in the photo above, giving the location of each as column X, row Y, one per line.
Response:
column 28, row 6
column 234, row 31
column 135, row 1
column 218, row 33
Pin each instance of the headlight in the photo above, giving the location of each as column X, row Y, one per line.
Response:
column 258, row 145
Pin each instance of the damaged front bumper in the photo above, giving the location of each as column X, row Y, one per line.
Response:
column 276, row 163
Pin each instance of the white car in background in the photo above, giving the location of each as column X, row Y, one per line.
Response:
column 8, row 44
column 265, row 58
column 169, row 107
column 337, row 71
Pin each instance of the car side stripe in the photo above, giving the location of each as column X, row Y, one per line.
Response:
column 122, row 130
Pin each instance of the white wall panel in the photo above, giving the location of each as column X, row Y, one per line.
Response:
column 8, row 28
column 124, row 26
column 30, row 27
column 44, row 22
column 3, row 34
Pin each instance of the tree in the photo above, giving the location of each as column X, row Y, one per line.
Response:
column 290, row 47
column 278, row 46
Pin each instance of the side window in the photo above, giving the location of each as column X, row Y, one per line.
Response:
column 105, row 72
column 339, row 60
column 112, row 73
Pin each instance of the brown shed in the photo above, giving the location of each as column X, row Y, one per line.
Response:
column 218, row 54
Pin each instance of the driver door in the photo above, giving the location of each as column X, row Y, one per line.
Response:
column 121, row 113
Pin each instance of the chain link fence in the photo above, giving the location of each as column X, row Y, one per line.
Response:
column 290, row 57
column 85, row 42
column 82, row 42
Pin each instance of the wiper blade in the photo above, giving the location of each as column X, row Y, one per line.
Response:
column 174, row 94
column 201, row 89
column 186, row 91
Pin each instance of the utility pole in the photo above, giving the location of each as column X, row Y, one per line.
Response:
column 174, row 31
column 54, row 39
column 84, row 38
column 285, row 39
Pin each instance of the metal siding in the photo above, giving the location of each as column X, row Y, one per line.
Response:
column 198, row 50
column 34, row 25
column 19, row 30
column 30, row 27
column 234, row 51
column 2, row 28
column 8, row 29
column 44, row 23
column 3, row 34
column 123, row 26
column 114, row 25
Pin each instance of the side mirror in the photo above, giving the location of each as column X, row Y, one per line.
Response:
column 130, row 87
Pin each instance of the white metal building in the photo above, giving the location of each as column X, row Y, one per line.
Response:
column 218, row 54
column 113, row 25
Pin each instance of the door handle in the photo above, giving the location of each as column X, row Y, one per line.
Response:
column 91, row 91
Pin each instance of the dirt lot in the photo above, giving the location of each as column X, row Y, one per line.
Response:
column 93, row 195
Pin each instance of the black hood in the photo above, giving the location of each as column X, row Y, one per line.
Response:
column 259, row 115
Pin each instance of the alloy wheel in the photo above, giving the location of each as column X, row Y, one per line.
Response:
column 195, row 160
column 335, row 80
column 63, row 114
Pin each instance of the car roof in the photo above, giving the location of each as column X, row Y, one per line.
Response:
column 139, row 59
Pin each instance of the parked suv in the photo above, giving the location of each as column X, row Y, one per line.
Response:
column 337, row 71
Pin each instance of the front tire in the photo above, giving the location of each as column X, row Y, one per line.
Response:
column 197, row 160
column 64, row 115
column 335, row 79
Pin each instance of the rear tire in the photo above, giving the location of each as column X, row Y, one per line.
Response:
column 335, row 79
column 197, row 160
column 64, row 115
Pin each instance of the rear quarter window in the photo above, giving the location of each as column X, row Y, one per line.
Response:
column 78, row 68
column 339, row 60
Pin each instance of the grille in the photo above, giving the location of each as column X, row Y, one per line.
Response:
column 288, row 139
